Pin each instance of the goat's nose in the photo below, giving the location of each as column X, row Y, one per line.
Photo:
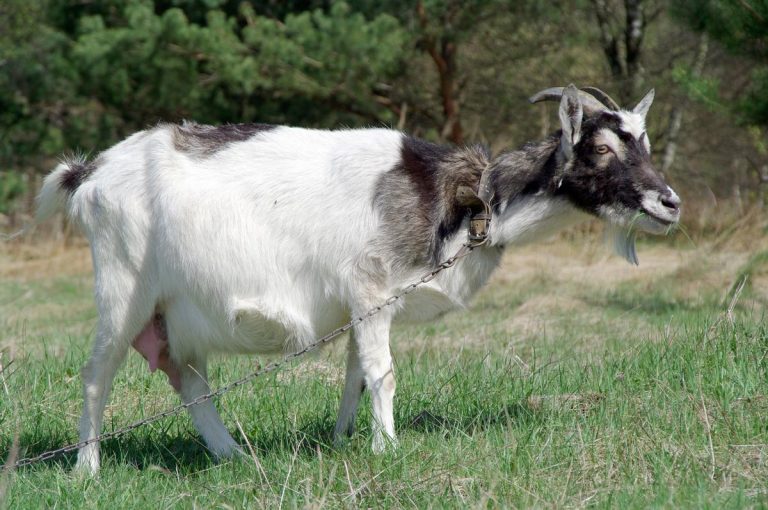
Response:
column 670, row 200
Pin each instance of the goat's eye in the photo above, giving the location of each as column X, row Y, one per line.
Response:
column 602, row 149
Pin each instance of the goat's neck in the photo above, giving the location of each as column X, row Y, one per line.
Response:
column 527, row 206
column 524, row 220
column 469, row 274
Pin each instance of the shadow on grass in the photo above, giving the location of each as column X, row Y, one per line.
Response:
column 186, row 453
column 512, row 414
column 648, row 303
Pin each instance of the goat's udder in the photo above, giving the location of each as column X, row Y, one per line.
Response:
column 152, row 343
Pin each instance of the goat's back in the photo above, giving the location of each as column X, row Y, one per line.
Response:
column 272, row 226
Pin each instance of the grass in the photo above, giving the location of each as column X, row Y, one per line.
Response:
column 574, row 380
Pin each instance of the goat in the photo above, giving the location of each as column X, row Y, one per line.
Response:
column 253, row 238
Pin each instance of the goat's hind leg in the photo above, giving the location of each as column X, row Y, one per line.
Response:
column 354, row 385
column 194, row 383
column 108, row 354
column 125, row 306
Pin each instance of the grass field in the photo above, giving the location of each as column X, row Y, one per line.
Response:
column 574, row 380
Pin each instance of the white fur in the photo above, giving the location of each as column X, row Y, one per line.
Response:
column 533, row 218
column 634, row 124
column 651, row 203
column 261, row 247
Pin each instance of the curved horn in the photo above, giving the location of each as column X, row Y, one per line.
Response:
column 602, row 97
column 589, row 103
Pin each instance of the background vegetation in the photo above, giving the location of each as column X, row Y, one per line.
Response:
column 79, row 76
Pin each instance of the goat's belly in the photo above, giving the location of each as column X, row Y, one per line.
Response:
column 193, row 332
column 426, row 304
column 246, row 326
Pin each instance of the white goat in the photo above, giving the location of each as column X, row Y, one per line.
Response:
column 259, row 239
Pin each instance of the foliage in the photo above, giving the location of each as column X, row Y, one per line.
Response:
column 37, row 87
column 12, row 186
column 742, row 27
column 79, row 76
column 163, row 66
column 334, row 60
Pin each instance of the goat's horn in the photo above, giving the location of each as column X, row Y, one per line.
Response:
column 588, row 102
column 602, row 97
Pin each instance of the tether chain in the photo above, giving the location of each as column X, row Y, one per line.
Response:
column 465, row 250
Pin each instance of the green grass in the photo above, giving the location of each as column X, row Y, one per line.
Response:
column 631, row 394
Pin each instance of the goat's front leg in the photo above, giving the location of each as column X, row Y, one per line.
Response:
column 372, row 339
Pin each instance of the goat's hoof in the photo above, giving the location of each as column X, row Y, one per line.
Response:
column 341, row 436
column 88, row 461
column 85, row 468
column 382, row 443
column 340, row 441
column 228, row 452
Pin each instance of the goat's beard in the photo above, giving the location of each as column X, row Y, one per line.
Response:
column 623, row 240
column 621, row 231
column 623, row 224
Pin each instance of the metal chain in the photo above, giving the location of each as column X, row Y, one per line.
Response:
column 465, row 250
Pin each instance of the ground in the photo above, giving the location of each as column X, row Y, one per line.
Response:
column 573, row 380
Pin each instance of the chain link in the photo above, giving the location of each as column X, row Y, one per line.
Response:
column 465, row 250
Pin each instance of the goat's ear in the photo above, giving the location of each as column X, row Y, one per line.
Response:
column 571, row 113
column 645, row 104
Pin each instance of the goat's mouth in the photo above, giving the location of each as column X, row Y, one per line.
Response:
column 661, row 210
column 654, row 223
column 667, row 222
column 640, row 219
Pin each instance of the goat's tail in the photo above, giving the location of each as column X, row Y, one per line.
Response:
column 53, row 196
column 51, row 199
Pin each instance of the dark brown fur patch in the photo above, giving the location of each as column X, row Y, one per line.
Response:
column 204, row 140
column 525, row 171
column 417, row 198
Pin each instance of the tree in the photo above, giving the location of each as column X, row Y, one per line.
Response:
column 444, row 38
column 300, row 69
column 36, row 95
column 622, row 42
column 742, row 27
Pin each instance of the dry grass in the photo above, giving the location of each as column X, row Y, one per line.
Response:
column 23, row 261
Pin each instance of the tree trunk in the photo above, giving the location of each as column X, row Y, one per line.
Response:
column 633, row 42
column 607, row 40
column 624, row 60
column 676, row 117
column 761, row 175
column 443, row 54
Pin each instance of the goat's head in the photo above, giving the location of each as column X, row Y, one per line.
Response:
column 606, row 167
